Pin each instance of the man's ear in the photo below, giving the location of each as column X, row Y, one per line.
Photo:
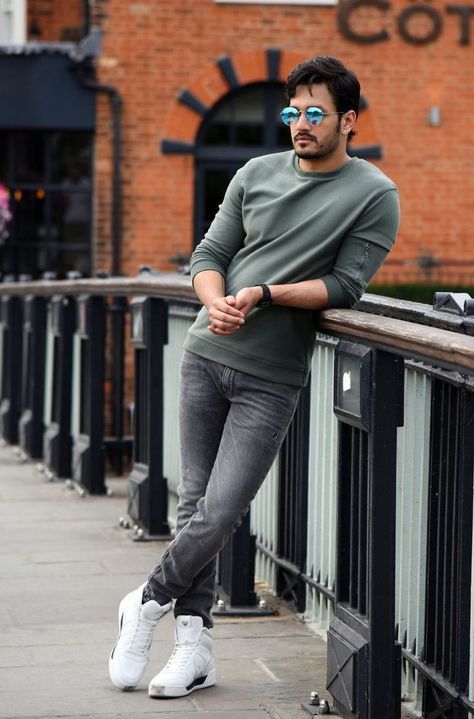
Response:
column 348, row 121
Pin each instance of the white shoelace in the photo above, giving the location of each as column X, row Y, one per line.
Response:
column 181, row 655
column 138, row 635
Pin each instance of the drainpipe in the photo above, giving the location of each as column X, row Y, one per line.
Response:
column 86, row 75
column 87, row 18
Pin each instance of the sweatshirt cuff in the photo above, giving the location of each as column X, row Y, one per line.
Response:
column 202, row 265
column 336, row 295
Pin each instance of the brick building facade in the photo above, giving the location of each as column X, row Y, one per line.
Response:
column 200, row 83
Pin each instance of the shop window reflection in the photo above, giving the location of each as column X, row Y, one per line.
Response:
column 49, row 178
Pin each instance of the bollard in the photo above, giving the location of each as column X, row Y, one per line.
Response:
column 147, row 487
column 57, row 439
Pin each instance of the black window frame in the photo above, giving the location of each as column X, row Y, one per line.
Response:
column 47, row 249
column 231, row 156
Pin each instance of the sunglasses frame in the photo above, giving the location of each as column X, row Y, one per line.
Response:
column 296, row 117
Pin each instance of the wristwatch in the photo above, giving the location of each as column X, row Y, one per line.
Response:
column 266, row 297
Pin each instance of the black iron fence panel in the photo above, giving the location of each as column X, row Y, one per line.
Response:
column 293, row 506
column 353, row 516
column 363, row 657
column 446, row 652
column 363, row 660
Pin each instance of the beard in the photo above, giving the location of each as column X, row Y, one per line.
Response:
column 316, row 150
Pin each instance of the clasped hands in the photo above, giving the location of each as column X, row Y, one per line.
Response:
column 227, row 314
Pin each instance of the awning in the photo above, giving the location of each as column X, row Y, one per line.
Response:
column 41, row 90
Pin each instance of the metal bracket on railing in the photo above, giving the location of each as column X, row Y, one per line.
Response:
column 457, row 303
column 316, row 705
column 452, row 311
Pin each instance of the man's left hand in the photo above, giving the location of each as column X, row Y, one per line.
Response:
column 247, row 298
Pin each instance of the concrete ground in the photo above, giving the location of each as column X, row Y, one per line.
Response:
column 64, row 565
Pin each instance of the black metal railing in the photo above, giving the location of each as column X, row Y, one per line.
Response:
column 440, row 344
column 448, row 581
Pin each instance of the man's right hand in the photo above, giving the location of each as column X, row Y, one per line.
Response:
column 224, row 317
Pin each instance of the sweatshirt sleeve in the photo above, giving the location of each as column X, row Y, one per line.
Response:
column 226, row 234
column 363, row 251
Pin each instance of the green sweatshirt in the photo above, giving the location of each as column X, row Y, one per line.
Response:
column 280, row 225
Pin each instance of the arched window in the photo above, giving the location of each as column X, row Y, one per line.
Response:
column 244, row 124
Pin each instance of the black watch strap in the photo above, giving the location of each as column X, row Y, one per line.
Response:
column 266, row 297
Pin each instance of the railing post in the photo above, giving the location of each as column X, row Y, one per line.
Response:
column 57, row 439
column 236, row 563
column 88, row 394
column 236, row 573
column 11, row 351
column 364, row 660
column 147, row 487
column 118, row 310
column 33, row 375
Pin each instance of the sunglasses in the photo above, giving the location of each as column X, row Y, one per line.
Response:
column 314, row 115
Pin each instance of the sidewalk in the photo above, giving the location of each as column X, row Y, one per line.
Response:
column 64, row 566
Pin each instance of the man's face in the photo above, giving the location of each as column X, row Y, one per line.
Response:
column 316, row 142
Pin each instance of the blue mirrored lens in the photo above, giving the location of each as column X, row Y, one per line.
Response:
column 289, row 115
column 314, row 115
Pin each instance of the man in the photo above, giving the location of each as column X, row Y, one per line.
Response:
column 297, row 231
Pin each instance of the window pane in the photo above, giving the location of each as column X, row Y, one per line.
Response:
column 71, row 216
column 31, row 262
column 249, row 106
column 29, row 157
column 248, row 118
column 283, row 137
column 215, row 185
column 249, row 135
column 3, row 158
column 69, row 260
column 217, row 134
column 29, row 217
column 71, row 159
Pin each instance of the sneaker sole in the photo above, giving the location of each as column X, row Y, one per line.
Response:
column 115, row 680
column 169, row 692
column 112, row 671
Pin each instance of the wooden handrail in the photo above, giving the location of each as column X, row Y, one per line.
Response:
column 411, row 338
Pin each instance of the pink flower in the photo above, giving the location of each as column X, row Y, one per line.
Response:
column 5, row 214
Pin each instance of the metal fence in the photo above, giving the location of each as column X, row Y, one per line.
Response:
column 303, row 527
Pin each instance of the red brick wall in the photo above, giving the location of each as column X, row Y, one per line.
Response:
column 56, row 20
column 152, row 50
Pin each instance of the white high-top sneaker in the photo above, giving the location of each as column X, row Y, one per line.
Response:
column 191, row 665
column 137, row 622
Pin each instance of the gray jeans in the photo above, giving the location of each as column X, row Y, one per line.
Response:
column 231, row 428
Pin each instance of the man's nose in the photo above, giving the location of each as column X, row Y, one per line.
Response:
column 302, row 121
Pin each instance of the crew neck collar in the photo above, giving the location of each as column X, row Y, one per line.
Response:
column 322, row 175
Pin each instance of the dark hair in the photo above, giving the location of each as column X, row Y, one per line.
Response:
column 341, row 82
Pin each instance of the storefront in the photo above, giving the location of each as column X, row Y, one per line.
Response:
column 47, row 122
column 194, row 90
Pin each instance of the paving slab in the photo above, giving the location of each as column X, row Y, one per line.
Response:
column 64, row 566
